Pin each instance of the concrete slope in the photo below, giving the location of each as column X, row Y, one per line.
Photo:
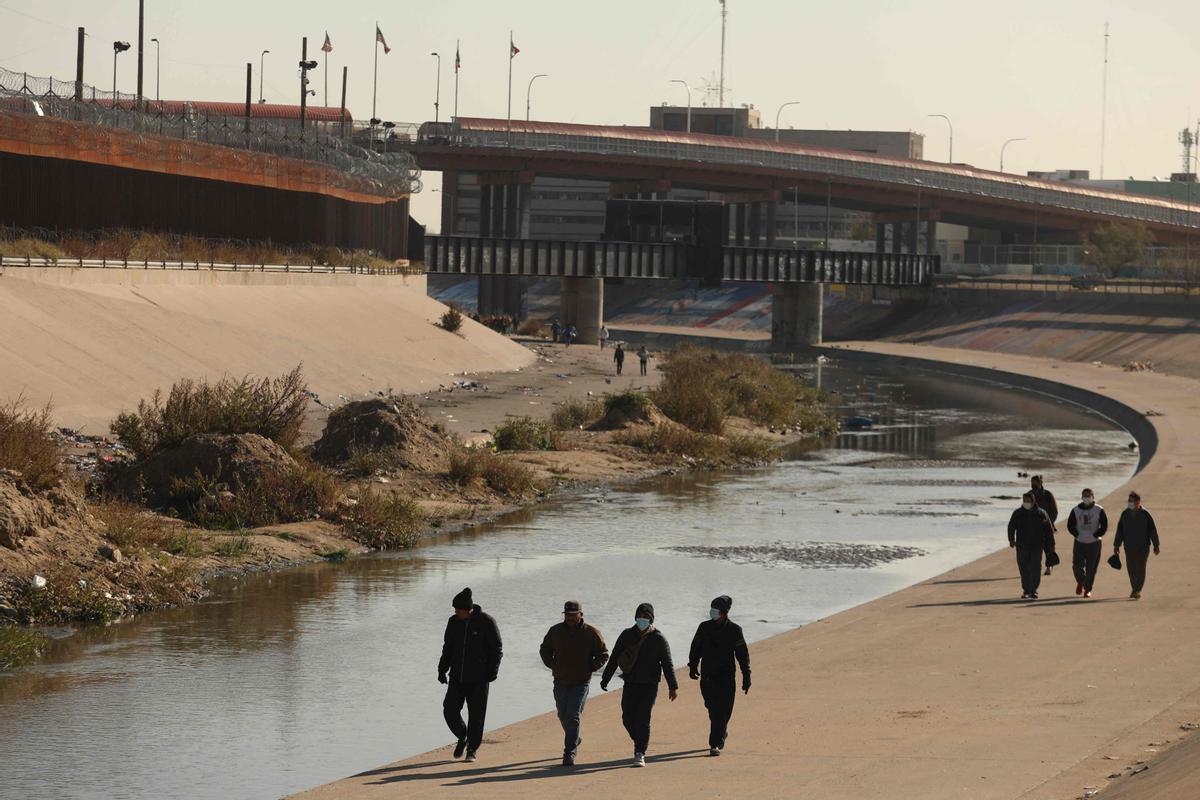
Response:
column 947, row 690
column 96, row 344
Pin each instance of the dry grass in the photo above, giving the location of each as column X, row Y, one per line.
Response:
column 19, row 646
column 306, row 491
column 574, row 414
column 471, row 464
column 383, row 521
column 130, row 527
column 526, row 433
column 677, row 441
column 26, row 446
column 271, row 407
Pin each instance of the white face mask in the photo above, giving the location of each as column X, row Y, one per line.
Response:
column 1088, row 502
column 714, row 613
column 1027, row 506
column 1131, row 505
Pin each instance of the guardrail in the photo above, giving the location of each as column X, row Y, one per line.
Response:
column 194, row 266
column 782, row 265
column 1051, row 285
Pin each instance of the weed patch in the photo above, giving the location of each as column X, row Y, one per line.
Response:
column 471, row 464
column 26, row 446
column 66, row 597
column 526, row 433
column 574, row 414
column 383, row 521
column 129, row 527
column 233, row 546
column 19, row 646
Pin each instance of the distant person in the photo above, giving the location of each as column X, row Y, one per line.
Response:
column 1136, row 530
column 1046, row 502
column 603, row 336
column 555, row 329
column 1087, row 522
column 644, row 657
column 717, row 644
column 643, row 357
column 471, row 653
column 619, row 357
column 573, row 650
column 572, row 333
column 1027, row 533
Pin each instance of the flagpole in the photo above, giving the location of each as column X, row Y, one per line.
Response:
column 510, row 60
column 326, row 68
column 375, row 81
column 456, row 57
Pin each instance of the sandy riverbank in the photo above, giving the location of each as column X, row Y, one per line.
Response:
column 948, row 689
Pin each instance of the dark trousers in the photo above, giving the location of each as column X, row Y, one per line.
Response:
column 1029, row 562
column 718, row 692
column 643, row 363
column 1135, row 565
column 619, row 365
column 637, row 702
column 569, row 699
column 475, row 695
column 1085, row 558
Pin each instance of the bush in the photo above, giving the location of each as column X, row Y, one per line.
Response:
column 26, row 446
column 383, row 521
column 271, row 407
column 363, row 462
column 19, row 646
column 751, row 449
column 573, row 414
column 66, row 597
column 129, row 527
column 526, row 433
column 631, row 404
column 470, row 464
column 676, row 440
column 233, row 546
column 532, row 327
column 452, row 320
column 303, row 492
column 183, row 543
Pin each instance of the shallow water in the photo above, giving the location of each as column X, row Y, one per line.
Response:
column 284, row 681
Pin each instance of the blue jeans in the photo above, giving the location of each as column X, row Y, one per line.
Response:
column 569, row 699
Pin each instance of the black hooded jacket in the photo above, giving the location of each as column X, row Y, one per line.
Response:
column 471, row 649
column 653, row 658
column 1028, row 527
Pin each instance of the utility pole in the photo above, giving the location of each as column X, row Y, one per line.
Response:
column 79, row 68
column 249, row 91
column 262, row 98
column 303, row 82
column 342, row 118
column 1104, row 102
column 141, row 34
column 721, row 90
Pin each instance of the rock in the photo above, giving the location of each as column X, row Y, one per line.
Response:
column 113, row 554
column 394, row 426
column 227, row 460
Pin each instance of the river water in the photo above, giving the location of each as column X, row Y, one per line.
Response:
column 285, row 681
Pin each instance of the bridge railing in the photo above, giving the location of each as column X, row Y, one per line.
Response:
column 914, row 178
column 28, row 262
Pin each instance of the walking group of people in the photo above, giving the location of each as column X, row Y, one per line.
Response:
column 1031, row 530
column 501, row 323
column 619, row 358
column 563, row 334
column 574, row 651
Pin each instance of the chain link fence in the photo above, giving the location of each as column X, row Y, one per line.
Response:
column 389, row 173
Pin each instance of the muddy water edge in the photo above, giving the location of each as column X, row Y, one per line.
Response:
column 287, row 680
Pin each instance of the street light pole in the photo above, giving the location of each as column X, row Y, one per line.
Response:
column 437, row 94
column 1002, row 148
column 951, row 125
column 262, row 58
column 689, row 101
column 528, row 90
column 777, row 113
column 157, row 71
column 118, row 48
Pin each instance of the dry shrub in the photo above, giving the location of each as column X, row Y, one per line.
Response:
column 532, row 327
column 363, row 462
column 383, row 521
column 130, row 527
column 26, row 247
column 573, row 414
column 676, row 440
column 66, row 597
column 526, row 433
column 26, row 446
column 304, row 492
column 271, row 407
column 452, row 320
column 471, row 464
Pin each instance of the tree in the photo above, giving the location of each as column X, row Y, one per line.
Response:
column 1114, row 245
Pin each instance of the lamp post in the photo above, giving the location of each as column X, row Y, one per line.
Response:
column 157, row 71
column 951, row 126
column 917, row 229
column 118, row 48
column 261, row 59
column 437, row 92
column 1002, row 148
column 529, row 90
column 777, row 113
column 689, row 101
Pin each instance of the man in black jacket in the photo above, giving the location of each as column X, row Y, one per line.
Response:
column 717, row 643
column 644, row 657
column 1044, row 499
column 1137, row 531
column 573, row 650
column 1027, row 530
column 471, row 653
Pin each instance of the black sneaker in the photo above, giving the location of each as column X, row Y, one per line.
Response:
column 1025, row 596
column 460, row 748
column 1033, row 596
column 470, row 755
column 569, row 760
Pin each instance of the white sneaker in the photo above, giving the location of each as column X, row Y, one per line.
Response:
column 639, row 759
column 470, row 755
column 714, row 751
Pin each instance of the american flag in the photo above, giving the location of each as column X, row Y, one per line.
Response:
column 328, row 46
column 379, row 38
column 457, row 59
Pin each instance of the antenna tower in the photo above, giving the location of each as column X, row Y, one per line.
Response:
column 721, row 90
column 1188, row 140
column 1104, row 102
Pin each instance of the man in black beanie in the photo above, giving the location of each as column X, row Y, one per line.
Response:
column 717, row 643
column 644, row 657
column 471, row 653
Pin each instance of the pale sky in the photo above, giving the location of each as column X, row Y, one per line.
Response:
column 1022, row 68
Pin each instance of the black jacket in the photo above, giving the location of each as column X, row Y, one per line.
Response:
column 653, row 660
column 714, row 648
column 1046, row 502
column 1136, row 530
column 471, row 648
column 1028, row 528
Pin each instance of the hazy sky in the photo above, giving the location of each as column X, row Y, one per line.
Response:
column 1000, row 70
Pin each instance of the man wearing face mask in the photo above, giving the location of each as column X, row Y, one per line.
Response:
column 471, row 653
column 644, row 657
column 717, row 644
column 1136, row 530
column 1087, row 522
column 573, row 650
column 1027, row 529
column 1046, row 502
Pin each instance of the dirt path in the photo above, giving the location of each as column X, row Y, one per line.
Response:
column 948, row 689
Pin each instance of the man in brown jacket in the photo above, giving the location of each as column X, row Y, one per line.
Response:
column 573, row 650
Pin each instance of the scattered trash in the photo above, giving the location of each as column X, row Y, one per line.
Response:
column 1152, row 413
column 1138, row 366
column 1189, row 726
column 38, row 582
column 1140, row 769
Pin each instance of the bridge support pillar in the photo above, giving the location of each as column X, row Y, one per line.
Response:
column 512, row 196
column 755, row 223
column 797, row 315
column 739, row 224
column 772, row 211
column 525, row 214
column 581, row 303
column 501, row 294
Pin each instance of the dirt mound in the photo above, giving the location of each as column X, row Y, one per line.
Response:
column 234, row 460
column 392, row 426
column 25, row 512
column 623, row 411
